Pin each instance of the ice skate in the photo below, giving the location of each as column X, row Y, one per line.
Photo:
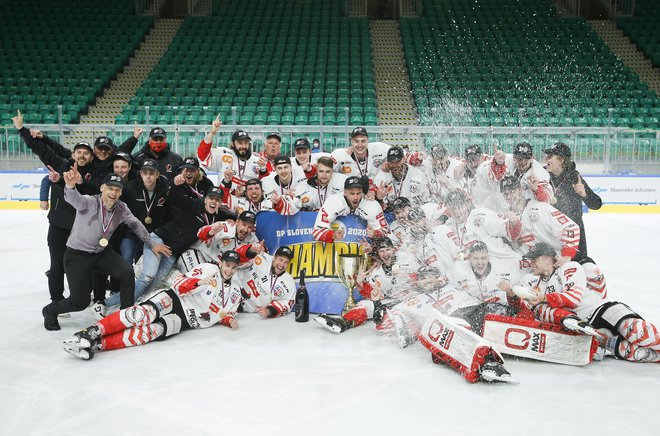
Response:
column 335, row 325
column 495, row 372
column 405, row 336
column 575, row 324
column 87, row 338
column 80, row 353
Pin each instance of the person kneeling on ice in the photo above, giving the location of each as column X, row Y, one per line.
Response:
column 566, row 296
column 378, row 286
column 201, row 298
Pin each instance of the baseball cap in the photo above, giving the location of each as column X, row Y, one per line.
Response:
column 113, row 180
column 149, row 164
column 248, row 216
column 190, row 162
column 560, row 149
column 274, row 135
column 523, row 150
column 284, row 251
column 253, row 181
column 473, row 152
column 353, row 182
column 157, row 132
column 281, row 159
column 301, row 143
column 123, row 156
column 83, row 144
column 359, row 131
column 104, row 142
column 215, row 192
column 509, row 183
column 240, row 134
column 399, row 203
column 540, row 249
column 230, row 256
column 438, row 151
column 395, row 154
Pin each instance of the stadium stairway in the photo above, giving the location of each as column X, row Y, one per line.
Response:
column 120, row 91
column 396, row 105
column 628, row 52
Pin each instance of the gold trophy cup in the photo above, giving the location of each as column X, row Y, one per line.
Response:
column 347, row 266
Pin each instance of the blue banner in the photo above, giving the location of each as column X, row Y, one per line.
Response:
column 326, row 293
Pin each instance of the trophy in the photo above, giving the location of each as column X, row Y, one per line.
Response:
column 347, row 267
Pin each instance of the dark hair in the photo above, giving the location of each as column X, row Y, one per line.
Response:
column 326, row 161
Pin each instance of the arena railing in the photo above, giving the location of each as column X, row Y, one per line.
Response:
column 606, row 146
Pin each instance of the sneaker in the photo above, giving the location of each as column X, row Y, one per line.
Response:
column 50, row 319
column 335, row 325
column 575, row 324
column 404, row 334
column 100, row 310
column 495, row 371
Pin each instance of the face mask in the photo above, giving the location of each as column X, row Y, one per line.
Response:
column 157, row 146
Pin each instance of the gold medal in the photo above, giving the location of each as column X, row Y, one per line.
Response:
column 148, row 220
column 460, row 255
column 103, row 242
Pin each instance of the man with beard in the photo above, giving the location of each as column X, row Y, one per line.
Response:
column 534, row 179
column 96, row 219
column 195, row 182
column 254, row 199
column 381, row 287
column 158, row 150
column 349, row 202
column 401, row 180
column 266, row 287
column 239, row 159
column 311, row 196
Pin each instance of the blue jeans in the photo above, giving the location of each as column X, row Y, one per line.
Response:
column 129, row 248
column 154, row 269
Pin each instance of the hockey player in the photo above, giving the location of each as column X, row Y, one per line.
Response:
column 311, row 196
column 285, row 180
column 362, row 158
column 216, row 238
column 378, row 286
column 464, row 174
column 266, row 287
column 401, row 180
column 303, row 158
column 255, row 201
column 239, row 158
column 205, row 296
column 196, row 183
column 541, row 222
column 438, row 166
column 564, row 297
column 534, row 179
column 351, row 201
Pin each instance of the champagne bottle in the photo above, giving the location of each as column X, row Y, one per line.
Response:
column 302, row 300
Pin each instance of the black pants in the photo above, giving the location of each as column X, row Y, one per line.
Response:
column 56, row 238
column 78, row 265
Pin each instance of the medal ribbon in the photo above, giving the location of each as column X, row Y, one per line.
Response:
column 104, row 226
column 151, row 203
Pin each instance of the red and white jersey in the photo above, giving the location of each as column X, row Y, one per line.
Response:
column 207, row 305
column 414, row 185
column 345, row 164
column 567, row 288
column 311, row 197
column 441, row 183
column 272, row 184
column 212, row 246
column 262, row 288
column 445, row 244
column 336, row 206
column 407, row 240
column 497, row 232
column 543, row 223
column 220, row 158
column 487, row 189
column 487, row 288
column 391, row 280
column 240, row 204
column 465, row 180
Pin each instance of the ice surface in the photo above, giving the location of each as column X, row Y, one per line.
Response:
column 278, row 377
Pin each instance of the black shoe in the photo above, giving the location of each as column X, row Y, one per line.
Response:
column 50, row 318
column 335, row 325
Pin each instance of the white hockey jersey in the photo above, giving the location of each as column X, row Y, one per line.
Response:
column 311, row 197
column 221, row 158
column 543, row 223
column 567, row 288
column 486, row 289
column 222, row 241
column 207, row 305
column 445, row 244
column 441, row 183
column 487, row 189
column 240, row 204
column 345, row 164
column 336, row 206
column 262, row 288
column 497, row 233
column 414, row 185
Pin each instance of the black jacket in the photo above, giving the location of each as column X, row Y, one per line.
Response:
column 167, row 160
column 133, row 196
column 181, row 232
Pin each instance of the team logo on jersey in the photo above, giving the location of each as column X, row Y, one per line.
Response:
column 226, row 241
column 479, row 221
column 278, row 292
column 378, row 162
column 346, row 169
column 168, row 168
column 306, row 199
column 255, row 169
column 234, row 297
column 534, row 216
column 161, row 201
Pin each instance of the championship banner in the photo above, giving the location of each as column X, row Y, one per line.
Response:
column 326, row 293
